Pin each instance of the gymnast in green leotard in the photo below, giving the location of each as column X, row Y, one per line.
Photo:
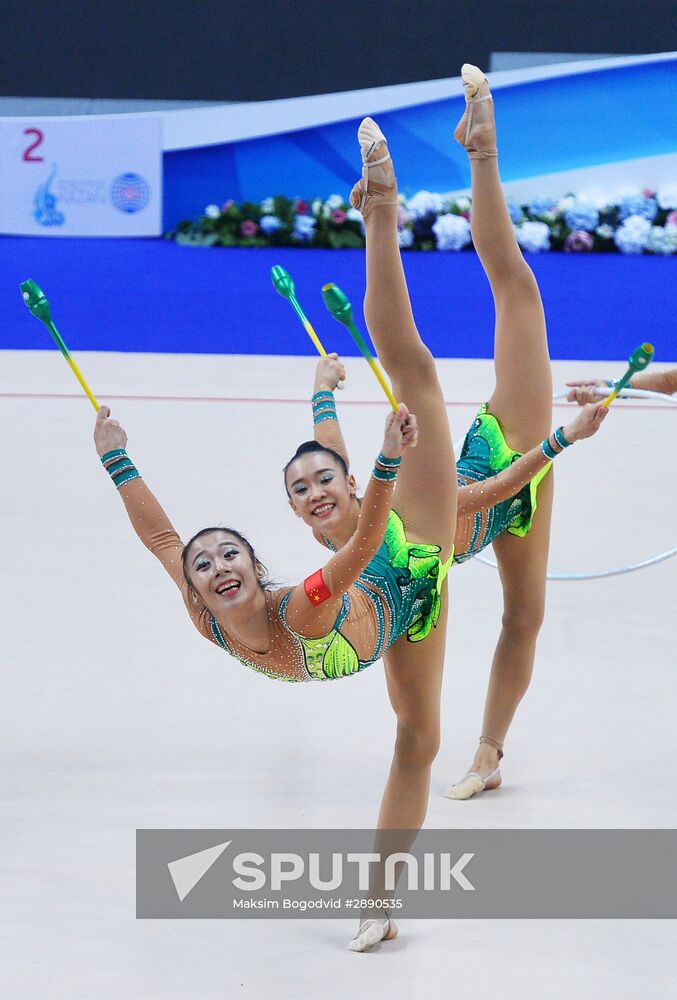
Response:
column 503, row 472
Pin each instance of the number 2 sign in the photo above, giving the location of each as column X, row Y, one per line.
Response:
column 29, row 154
column 88, row 175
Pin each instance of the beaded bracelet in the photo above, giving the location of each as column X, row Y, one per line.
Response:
column 324, row 407
column 120, row 467
column 389, row 463
column 384, row 477
column 548, row 449
column 560, row 439
column 386, row 469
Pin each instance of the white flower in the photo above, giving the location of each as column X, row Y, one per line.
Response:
column 463, row 204
column 334, row 201
column 270, row 223
column 212, row 211
column 406, row 238
column 633, row 235
column 423, row 203
column 533, row 236
column 667, row 196
column 304, row 227
column 605, row 231
column 595, row 197
column 452, row 232
column 316, row 207
column 268, row 206
column 353, row 215
column 565, row 203
column 662, row 240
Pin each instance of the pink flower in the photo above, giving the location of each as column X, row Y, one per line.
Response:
column 403, row 217
column 579, row 241
column 648, row 193
column 227, row 204
column 249, row 228
column 301, row 206
column 671, row 219
column 339, row 216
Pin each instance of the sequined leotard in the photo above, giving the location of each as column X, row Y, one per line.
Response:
column 384, row 603
column 484, row 455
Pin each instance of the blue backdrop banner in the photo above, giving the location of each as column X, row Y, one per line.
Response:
column 156, row 296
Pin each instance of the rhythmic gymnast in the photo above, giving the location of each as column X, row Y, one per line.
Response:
column 583, row 390
column 502, row 471
column 341, row 619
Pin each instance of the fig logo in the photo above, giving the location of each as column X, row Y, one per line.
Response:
column 130, row 192
column 187, row 872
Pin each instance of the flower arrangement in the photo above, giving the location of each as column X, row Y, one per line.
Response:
column 633, row 222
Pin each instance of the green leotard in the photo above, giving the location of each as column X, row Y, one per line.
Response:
column 485, row 453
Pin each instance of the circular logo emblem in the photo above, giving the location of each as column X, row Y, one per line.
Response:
column 130, row 192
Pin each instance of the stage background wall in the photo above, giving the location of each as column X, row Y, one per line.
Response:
column 215, row 50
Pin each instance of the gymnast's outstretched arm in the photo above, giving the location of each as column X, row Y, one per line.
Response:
column 146, row 515
column 508, row 483
column 582, row 391
column 313, row 606
column 327, row 430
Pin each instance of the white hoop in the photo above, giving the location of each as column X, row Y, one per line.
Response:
column 600, row 573
column 604, row 390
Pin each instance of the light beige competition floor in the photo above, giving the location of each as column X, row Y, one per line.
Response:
column 116, row 715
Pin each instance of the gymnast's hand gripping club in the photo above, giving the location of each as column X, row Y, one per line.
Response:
column 34, row 298
column 341, row 309
column 637, row 362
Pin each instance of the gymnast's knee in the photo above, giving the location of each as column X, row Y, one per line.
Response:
column 523, row 620
column 513, row 279
column 416, row 746
column 411, row 363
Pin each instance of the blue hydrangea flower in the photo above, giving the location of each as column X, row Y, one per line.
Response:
column 638, row 205
column 304, row 228
column 515, row 211
column 452, row 232
column 633, row 235
column 662, row 240
column 541, row 205
column 406, row 238
column 533, row 236
column 270, row 223
column 582, row 216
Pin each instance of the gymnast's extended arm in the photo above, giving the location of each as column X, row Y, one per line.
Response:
column 146, row 516
column 507, row 484
column 583, row 391
column 327, row 430
column 314, row 605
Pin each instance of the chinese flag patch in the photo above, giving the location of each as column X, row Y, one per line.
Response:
column 316, row 589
